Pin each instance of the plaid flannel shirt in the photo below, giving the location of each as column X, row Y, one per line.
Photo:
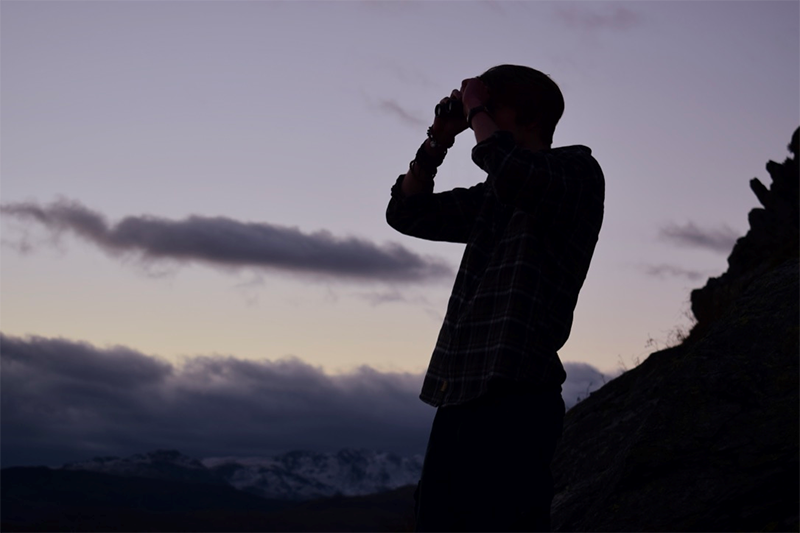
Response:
column 530, row 231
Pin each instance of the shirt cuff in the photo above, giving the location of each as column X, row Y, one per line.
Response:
column 397, row 188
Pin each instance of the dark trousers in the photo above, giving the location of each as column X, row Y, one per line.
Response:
column 487, row 466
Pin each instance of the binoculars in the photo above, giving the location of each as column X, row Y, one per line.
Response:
column 451, row 108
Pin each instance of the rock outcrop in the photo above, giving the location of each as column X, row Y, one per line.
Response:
column 773, row 238
column 703, row 436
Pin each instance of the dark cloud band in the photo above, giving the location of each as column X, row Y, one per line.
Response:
column 718, row 240
column 226, row 242
column 63, row 401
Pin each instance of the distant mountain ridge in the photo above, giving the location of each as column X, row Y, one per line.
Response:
column 303, row 475
column 293, row 476
column 158, row 464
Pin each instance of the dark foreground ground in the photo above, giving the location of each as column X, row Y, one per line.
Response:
column 41, row 499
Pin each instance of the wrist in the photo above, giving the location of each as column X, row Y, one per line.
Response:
column 439, row 141
column 483, row 126
column 481, row 108
column 427, row 160
column 420, row 174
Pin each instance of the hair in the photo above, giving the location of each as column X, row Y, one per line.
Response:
column 532, row 94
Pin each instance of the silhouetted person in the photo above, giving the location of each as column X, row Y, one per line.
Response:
column 530, row 230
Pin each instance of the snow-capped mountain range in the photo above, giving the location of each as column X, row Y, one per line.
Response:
column 297, row 475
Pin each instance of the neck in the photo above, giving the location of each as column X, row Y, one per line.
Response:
column 533, row 143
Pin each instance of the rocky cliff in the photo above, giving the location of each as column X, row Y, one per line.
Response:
column 703, row 436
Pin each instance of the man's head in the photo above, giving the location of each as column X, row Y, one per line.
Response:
column 533, row 95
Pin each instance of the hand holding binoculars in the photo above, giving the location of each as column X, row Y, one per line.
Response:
column 450, row 109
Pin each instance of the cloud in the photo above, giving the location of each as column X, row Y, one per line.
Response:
column 225, row 242
column 582, row 379
column 63, row 401
column 719, row 240
column 577, row 16
column 662, row 271
column 376, row 298
column 393, row 108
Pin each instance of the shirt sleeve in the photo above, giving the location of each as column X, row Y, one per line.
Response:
column 445, row 216
column 536, row 181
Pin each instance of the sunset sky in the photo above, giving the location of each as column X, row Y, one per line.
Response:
column 193, row 194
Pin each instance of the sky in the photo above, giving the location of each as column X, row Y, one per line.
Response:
column 192, row 203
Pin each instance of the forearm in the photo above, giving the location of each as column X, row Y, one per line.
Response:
column 445, row 216
column 483, row 126
column 412, row 185
column 419, row 178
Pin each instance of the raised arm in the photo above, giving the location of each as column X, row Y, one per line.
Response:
column 446, row 216
column 414, row 208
